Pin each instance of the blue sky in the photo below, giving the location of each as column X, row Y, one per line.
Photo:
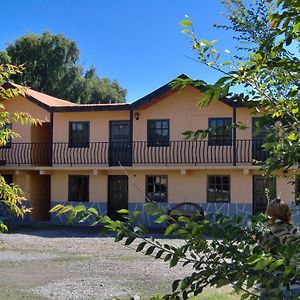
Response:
column 136, row 42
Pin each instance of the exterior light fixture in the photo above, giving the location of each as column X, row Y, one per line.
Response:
column 137, row 115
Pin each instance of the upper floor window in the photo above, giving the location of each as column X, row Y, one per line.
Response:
column 221, row 133
column 157, row 188
column 218, row 188
column 79, row 134
column 158, row 133
column 78, row 188
column 7, row 127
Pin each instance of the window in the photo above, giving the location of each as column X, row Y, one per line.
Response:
column 79, row 134
column 297, row 189
column 78, row 188
column 9, row 139
column 221, row 134
column 157, row 188
column 158, row 133
column 218, row 188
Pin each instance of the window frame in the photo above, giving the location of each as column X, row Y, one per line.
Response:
column 79, row 144
column 222, row 184
column 215, row 139
column 158, row 143
column 158, row 199
column 74, row 185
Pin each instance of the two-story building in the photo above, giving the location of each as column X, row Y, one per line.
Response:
column 113, row 156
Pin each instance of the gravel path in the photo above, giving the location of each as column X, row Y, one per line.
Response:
column 69, row 264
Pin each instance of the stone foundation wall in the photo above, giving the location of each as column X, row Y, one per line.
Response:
column 229, row 209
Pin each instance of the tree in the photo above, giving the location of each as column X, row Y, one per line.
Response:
column 11, row 195
column 52, row 67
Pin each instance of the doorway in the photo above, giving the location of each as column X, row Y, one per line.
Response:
column 120, row 143
column 40, row 197
column 117, row 195
column 40, row 145
column 260, row 200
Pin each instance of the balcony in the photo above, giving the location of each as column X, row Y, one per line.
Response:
column 135, row 153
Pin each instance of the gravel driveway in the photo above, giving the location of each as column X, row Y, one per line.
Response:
column 77, row 264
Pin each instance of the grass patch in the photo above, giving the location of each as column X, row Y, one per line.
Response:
column 210, row 294
column 217, row 295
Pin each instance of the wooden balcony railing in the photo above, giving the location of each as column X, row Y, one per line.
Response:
column 137, row 152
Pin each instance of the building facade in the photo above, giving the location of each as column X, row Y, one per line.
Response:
column 113, row 156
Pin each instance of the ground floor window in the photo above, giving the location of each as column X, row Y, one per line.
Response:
column 78, row 188
column 157, row 188
column 218, row 188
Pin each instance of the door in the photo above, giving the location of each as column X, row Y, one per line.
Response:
column 117, row 195
column 40, row 197
column 120, row 143
column 260, row 200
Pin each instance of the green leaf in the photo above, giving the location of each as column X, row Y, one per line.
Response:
column 168, row 257
column 150, row 250
column 175, row 285
column 185, row 31
column 245, row 296
column 65, row 209
column 170, row 229
column 123, row 211
column 129, row 240
column 174, row 261
column 186, row 23
column 93, row 211
column 225, row 63
column 159, row 254
column 292, row 137
column 274, row 265
column 141, row 246
column 161, row 219
column 79, row 208
column 56, row 208
column 262, row 263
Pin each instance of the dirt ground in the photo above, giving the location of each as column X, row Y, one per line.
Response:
column 78, row 264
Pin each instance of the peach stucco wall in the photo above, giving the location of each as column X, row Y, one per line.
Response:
column 99, row 123
column 97, row 184
column 180, row 108
column 181, row 188
column 184, row 114
column 21, row 104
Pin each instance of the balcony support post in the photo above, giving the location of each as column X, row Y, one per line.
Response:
column 234, row 135
column 50, row 146
column 131, row 135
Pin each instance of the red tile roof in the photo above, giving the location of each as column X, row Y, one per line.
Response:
column 49, row 102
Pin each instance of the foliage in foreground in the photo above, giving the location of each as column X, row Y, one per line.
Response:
column 11, row 195
column 232, row 255
column 269, row 73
